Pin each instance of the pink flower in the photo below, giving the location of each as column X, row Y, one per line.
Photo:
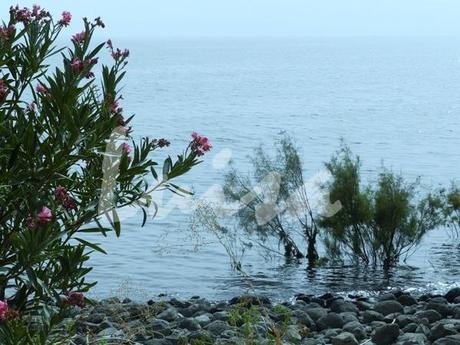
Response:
column 45, row 215
column 117, row 54
column 200, row 144
column 66, row 18
column 62, row 196
column 22, row 15
column 69, row 203
column 31, row 223
column 3, row 90
column 11, row 29
column 78, row 38
column 162, row 142
column 7, row 32
column 3, row 310
column 75, row 298
column 60, row 193
column 35, row 10
column 41, row 88
column 126, row 148
column 38, row 13
column 123, row 130
column 77, row 64
column 114, row 108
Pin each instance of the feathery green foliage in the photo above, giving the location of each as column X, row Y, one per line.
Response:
column 377, row 224
column 452, row 209
column 275, row 201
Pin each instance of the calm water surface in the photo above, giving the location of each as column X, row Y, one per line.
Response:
column 393, row 100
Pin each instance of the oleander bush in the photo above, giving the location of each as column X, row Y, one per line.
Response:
column 68, row 161
column 379, row 223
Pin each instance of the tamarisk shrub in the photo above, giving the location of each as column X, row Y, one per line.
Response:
column 280, row 180
column 380, row 223
column 452, row 208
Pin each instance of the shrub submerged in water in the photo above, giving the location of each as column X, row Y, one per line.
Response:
column 452, row 209
column 276, row 181
column 62, row 138
column 377, row 225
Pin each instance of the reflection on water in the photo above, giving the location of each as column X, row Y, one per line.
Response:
column 434, row 268
column 446, row 258
column 285, row 281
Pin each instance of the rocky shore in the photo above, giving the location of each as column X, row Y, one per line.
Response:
column 391, row 318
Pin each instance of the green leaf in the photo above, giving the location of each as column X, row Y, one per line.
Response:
column 144, row 216
column 154, row 173
column 116, row 223
column 91, row 245
column 13, row 156
column 182, row 190
column 95, row 230
column 167, row 165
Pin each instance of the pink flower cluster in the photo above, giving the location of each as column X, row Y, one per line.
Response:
column 3, row 310
column 161, row 142
column 35, row 10
column 117, row 54
column 66, row 18
column 21, row 14
column 40, row 88
column 25, row 16
column 3, row 90
column 39, row 13
column 123, row 130
column 61, row 195
column 200, row 144
column 75, row 298
column 79, row 37
column 7, row 32
column 79, row 65
column 31, row 223
column 126, row 148
column 115, row 108
column 121, row 125
column 43, row 217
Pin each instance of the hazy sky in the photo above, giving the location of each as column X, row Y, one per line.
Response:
column 152, row 18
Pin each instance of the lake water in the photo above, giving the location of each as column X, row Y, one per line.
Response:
column 393, row 100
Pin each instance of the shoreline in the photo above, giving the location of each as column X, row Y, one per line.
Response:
column 391, row 318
